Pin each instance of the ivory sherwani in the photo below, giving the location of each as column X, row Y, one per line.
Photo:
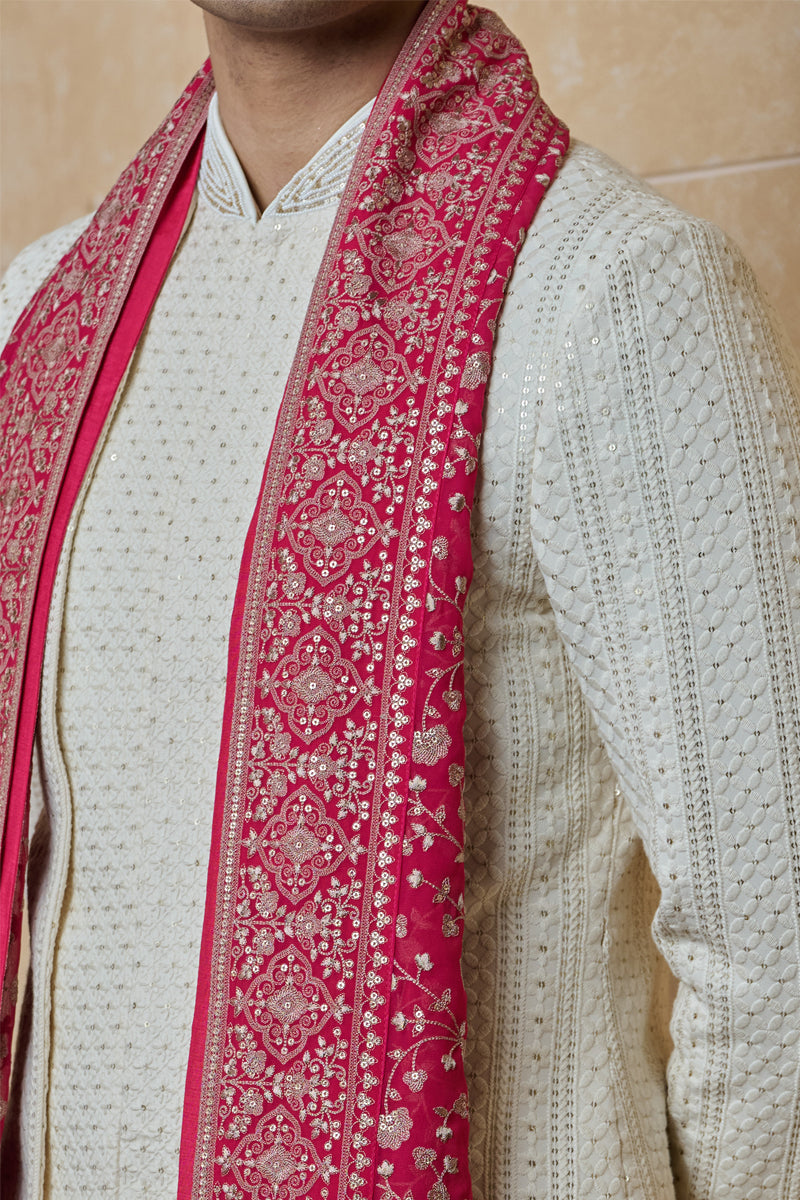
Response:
column 632, row 677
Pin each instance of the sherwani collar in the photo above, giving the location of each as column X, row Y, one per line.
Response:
column 319, row 184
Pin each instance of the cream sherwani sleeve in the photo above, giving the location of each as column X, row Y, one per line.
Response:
column 664, row 510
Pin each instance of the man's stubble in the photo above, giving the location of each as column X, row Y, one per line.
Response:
column 287, row 16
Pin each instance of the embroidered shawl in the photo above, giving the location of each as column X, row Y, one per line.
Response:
column 332, row 1067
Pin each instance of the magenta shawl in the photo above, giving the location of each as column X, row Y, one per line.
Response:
column 331, row 1067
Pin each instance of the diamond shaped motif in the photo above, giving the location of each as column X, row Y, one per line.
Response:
column 286, row 1004
column 368, row 371
column 402, row 242
column 334, row 526
column 275, row 1162
column 364, row 376
column 314, row 685
column 300, row 844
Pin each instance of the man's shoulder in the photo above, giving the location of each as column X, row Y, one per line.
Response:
column 30, row 269
column 599, row 219
column 606, row 201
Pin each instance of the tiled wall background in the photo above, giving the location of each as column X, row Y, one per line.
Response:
column 700, row 96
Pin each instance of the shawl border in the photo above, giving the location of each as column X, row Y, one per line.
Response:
column 247, row 1122
column 59, row 373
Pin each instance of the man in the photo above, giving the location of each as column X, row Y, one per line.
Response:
column 631, row 735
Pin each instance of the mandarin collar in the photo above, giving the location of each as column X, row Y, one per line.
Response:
column 223, row 184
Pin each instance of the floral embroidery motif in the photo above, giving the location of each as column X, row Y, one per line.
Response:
column 58, row 344
column 287, row 1005
column 364, row 374
column 300, row 844
column 275, row 1162
column 334, row 526
column 431, row 745
column 476, row 370
column 314, row 685
column 401, row 243
column 450, row 121
column 394, row 1128
column 347, row 1005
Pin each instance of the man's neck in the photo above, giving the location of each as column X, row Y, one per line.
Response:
column 282, row 95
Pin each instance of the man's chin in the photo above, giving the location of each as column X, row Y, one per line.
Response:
column 283, row 15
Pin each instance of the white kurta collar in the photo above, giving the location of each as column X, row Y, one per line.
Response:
column 223, row 184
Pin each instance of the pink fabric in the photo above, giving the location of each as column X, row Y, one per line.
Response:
column 327, row 1047
column 326, row 1056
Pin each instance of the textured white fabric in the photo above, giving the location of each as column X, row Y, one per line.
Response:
column 632, row 676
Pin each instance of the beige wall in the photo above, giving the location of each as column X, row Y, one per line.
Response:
column 700, row 96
